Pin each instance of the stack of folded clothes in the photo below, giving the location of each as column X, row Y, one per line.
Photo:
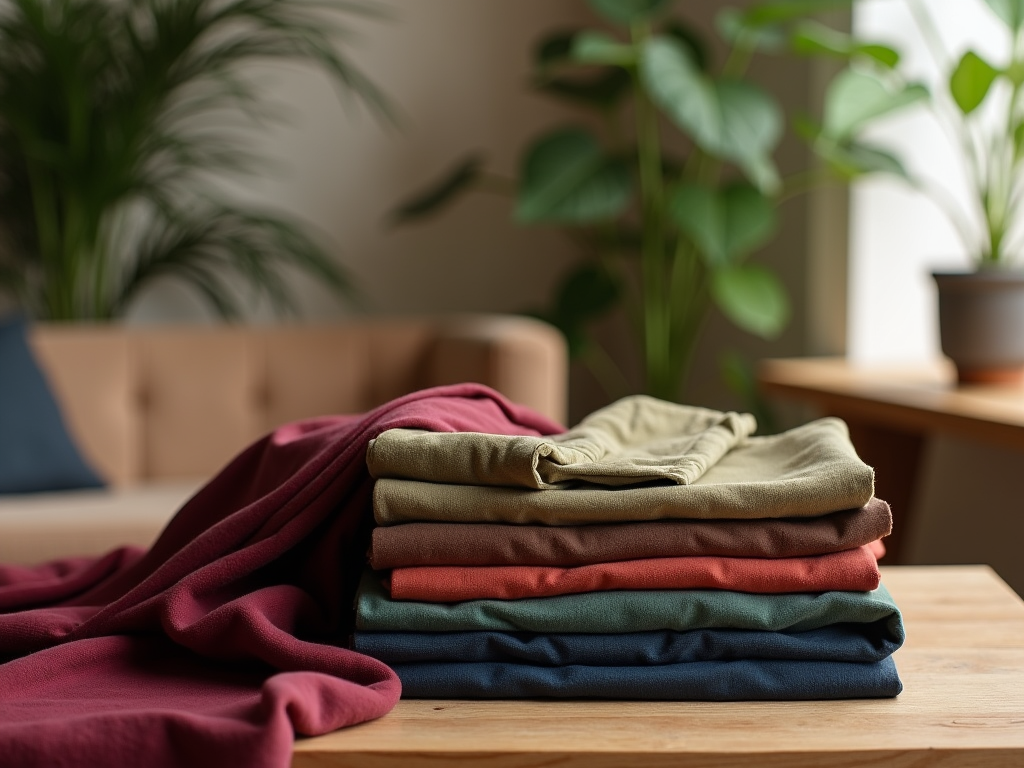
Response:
column 655, row 551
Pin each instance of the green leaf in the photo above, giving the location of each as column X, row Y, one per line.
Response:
column 628, row 11
column 589, row 47
column 778, row 11
column 751, row 128
column 554, row 48
column 855, row 98
column 970, row 82
column 601, row 91
column 814, row 38
column 441, row 193
column 753, row 298
column 724, row 224
column 567, row 178
column 1018, row 141
column 690, row 39
column 853, row 159
column 731, row 119
column 883, row 54
column 1010, row 11
column 732, row 25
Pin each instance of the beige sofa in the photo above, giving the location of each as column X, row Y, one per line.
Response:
column 157, row 411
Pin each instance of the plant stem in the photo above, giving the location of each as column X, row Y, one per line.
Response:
column 652, row 194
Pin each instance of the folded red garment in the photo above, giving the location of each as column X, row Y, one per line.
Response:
column 221, row 642
column 854, row 570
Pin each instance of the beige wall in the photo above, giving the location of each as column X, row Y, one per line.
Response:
column 457, row 69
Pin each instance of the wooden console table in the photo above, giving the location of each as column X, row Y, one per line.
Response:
column 962, row 707
column 892, row 410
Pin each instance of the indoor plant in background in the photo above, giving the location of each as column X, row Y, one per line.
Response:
column 981, row 312
column 669, row 186
column 116, row 120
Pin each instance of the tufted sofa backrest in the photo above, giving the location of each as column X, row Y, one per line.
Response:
column 154, row 403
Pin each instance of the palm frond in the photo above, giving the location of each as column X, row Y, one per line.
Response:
column 114, row 107
column 226, row 248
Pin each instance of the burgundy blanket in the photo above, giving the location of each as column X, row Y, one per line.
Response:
column 221, row 642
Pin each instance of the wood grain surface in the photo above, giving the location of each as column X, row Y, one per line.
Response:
column 915, row 398
column 962, row 706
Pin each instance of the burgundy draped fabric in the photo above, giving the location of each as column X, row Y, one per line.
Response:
column 222, row 641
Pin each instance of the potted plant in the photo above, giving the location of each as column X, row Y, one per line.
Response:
column 981, row 104
column 116, row 120
column 981, row 313
column 670, row 234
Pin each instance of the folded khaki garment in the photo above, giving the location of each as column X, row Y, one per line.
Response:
column 808, row 471
column 634, row 440
column 397, row 546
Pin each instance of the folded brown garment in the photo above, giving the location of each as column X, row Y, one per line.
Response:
column 413, row 544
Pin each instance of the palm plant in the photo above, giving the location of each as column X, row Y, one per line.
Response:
column 116, row 118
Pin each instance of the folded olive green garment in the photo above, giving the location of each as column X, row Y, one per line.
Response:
column 634, row 440
column 808, row 471
column 626, row 611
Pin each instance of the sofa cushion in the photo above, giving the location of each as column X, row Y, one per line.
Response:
column 40, row 527
column 36, row 452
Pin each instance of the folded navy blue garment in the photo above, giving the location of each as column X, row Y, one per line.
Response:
column 838, row 642
column 745, row 680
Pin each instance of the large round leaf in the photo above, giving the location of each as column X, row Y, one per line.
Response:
column 567, row 178
column 854, row 98
column 731, row 119
column 628, row 11
column 724, row 224
column 971, row 81
column 752, row 297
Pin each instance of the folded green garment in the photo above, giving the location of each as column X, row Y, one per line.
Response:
column 622, row 611
column 634, row 440
column 808, row 471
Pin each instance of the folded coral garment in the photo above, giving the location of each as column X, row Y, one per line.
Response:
column 808, row 471
column 218, row 644
column 742, row 680
column 851, row 570
column 395, row 546
column 622, row 611
column 633, row 440
column 865, row 642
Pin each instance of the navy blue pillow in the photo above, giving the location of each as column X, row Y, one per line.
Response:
column 36, row 452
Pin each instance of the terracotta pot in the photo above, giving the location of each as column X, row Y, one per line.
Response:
column 981, row 324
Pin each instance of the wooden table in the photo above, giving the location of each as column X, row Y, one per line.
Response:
column 962, row 706
column 892, row 410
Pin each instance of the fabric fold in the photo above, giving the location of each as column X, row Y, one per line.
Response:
column 808, row 471
column 742, row 680
column 865, row 642
column 414, row 544
column 634, row 440
column 623, row 611
column 223, row 640
column 852, row 570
